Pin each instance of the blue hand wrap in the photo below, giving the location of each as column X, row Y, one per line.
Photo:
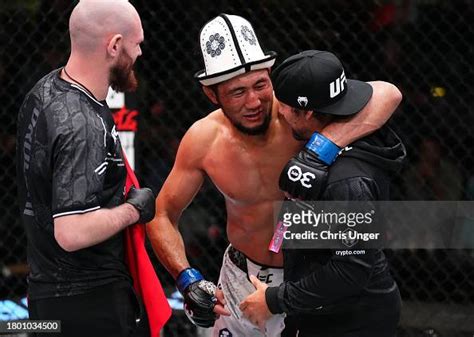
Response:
column 324, row 148
column 188, row 277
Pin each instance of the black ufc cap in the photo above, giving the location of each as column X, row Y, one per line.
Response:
column 315, row 80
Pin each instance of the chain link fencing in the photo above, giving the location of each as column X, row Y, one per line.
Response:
column 421, row 46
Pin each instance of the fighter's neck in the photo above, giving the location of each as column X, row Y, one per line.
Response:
column 96, row 82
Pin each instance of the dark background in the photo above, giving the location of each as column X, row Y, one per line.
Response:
column 421, row 46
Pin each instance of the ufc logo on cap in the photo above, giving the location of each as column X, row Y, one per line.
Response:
column 336, row 87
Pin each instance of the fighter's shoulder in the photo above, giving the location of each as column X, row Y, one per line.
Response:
column 197, row 142
column 204, row 131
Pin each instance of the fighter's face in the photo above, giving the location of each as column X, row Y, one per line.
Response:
column 247, row 100
column 297, row 121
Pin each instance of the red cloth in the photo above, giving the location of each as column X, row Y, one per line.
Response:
column 146, row 283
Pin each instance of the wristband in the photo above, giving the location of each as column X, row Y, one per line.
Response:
column 323, row 147
column 187, row 277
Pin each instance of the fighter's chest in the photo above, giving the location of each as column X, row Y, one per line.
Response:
column 248, row 173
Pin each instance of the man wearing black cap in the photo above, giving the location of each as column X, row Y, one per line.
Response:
column 326, row 293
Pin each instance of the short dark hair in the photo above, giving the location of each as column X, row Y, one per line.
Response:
column 325, row 117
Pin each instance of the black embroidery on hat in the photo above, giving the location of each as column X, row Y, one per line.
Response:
column 248, row 35
column 215, row 44
column 236, row 42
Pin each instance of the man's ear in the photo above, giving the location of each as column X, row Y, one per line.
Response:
column 114, row 45
column 308, row 114
column 211, row 94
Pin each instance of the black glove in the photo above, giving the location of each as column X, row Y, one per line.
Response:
column 305, row 175
column 143, row 200
column 199, row 297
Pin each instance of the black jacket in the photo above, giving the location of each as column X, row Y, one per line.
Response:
column 320, row 285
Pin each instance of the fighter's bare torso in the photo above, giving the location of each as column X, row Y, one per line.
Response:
column 246, row 169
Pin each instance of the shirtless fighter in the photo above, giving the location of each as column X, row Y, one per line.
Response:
column 242, row 147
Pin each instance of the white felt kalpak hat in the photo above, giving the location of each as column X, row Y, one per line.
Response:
column 229, row 48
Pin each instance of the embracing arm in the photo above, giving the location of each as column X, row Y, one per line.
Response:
column 323, row 148
column 385, row 99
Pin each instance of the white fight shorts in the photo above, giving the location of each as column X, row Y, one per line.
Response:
column 235, row 283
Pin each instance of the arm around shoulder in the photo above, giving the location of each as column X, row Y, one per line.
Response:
column 384, row 101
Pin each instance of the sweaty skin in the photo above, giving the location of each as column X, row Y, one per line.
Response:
column 245, row 168
column 246, row 173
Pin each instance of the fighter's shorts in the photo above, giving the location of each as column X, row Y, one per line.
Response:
column 235, row 283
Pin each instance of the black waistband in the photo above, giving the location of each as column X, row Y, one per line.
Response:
column 238, row 258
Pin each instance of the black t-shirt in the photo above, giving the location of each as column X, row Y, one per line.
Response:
column 69, row 161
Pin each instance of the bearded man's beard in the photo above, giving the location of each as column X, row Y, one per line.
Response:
column 122, row 76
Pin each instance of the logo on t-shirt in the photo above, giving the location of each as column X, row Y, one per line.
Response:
column 115, row 135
